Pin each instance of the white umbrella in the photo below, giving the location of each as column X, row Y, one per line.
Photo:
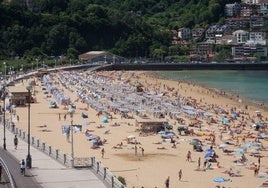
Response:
column 223, row 146
column 131, row 137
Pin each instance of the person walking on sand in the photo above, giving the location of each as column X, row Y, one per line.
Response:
column 136, row 150
column 180, row 174
column 142, row 151
column 199, row 163
column 22, row 167
column 189, row 157
column 102, row 153
column 167, row 182
column 15, row 142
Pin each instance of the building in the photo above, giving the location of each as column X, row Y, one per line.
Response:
column 251, row 2
column 258, row 36
column 241, row 36
column 25, row 4
column 101, row 57
column 256, row 22
column 184, row 33
column 248, row 10
column 264, row 9
column 232, row 10
column 211, row 32
column 197, row 33
column 255, row 2
column 203, row 50
column 228, row 40
column 249, row 50
column 238, row 22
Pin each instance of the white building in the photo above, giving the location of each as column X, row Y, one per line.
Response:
column 241, row 36
column 257, row 36
column 255, row 2
column 252, row 2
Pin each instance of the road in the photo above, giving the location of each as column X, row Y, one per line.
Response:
column 14, row 168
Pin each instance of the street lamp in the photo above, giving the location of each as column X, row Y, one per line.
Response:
column 29, row 158
column 71, row 111
column 5, row 71
column 3, row 91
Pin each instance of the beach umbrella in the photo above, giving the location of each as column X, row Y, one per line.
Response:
column 104, row 120
column 131, row 137
column 195, row 142
column 240, row 152
column 223, row 145
column 188, row 107
column 208, row 155
column 225, row 120
column 260, row 124
column 161, row 132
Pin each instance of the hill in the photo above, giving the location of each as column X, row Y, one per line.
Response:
column 69, row 27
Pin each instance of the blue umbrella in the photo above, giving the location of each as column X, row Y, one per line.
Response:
column 209, row 153
column 240, row 151
column 104, row 120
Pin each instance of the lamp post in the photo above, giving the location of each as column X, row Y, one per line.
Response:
column 4, row 105
column 29, row 158
column 5, row 67
column 4, row 115
column 71, row 111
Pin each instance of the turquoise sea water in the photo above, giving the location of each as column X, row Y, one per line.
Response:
column 248, row 84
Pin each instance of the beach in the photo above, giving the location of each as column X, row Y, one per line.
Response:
column 117, row 103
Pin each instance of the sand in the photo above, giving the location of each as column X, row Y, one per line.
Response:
column 153, row 167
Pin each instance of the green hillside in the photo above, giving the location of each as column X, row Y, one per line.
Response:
column 129, row 28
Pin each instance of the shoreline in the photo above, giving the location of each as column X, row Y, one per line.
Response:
column 227, row 94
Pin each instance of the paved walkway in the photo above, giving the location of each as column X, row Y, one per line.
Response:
column 45, row 172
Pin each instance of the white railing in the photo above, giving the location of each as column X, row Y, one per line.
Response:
column 65, row 159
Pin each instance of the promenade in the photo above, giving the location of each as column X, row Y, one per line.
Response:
column 45, row 172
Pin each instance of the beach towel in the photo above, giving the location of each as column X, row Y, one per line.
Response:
column 220, row 179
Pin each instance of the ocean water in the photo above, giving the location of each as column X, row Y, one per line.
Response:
column 252, row 85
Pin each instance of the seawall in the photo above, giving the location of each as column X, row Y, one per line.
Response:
column 188, row 66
